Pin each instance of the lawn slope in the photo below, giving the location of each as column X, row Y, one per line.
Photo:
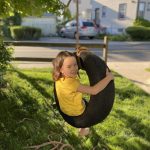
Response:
column 28, row 118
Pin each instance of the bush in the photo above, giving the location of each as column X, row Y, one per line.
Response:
column 141, row 22
column 139, row 32
column 6, row 31
column 120, row 37
column 13, row 20
column 5, row 58
column 25, row 33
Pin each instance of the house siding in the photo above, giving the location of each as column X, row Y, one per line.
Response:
column 147, row 10
column 85, row 8
column 111, row 21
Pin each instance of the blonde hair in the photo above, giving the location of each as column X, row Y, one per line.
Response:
column 58, row 62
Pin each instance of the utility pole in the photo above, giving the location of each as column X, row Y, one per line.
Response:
column 137, row 10
column 77, row 20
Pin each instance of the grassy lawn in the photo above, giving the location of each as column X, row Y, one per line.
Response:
column 27, row 117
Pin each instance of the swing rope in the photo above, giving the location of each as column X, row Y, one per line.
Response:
column 99, row 105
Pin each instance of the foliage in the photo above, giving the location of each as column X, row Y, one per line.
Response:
column 32, row 8
column 25, row 33
column 138, row 32
column 141, row 22
column 28, row 118
column 120, row 37
column 5, row 58
column 6, row 31
column 9, row 21
column 13, row 20
column 13, row 9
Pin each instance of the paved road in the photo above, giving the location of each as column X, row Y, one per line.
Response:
column 112, row 45
column 130, row 59
column 113, row 55
column 118, row 51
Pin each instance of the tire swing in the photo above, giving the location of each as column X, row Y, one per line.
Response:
column 100, row 105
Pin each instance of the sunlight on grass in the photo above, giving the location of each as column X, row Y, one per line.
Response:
column 28, row 117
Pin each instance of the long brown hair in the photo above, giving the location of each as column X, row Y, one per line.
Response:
column 58, row 62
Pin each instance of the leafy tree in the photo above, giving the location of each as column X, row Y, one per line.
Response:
column 5, row 58
column 15, row 19
column 25, row 8
column 31, row 7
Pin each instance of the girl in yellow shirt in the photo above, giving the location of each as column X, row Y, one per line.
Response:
column 69, row 89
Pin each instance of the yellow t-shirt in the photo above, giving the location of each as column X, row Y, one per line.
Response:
column 70, row 100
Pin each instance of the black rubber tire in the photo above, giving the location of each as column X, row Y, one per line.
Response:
column 99, row 105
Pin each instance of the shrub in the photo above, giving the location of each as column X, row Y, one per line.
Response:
column 139, row 32
column 141, row 22
column 6, row 31
column 119, row 37
column 25, row 33
column 13, row 20
column 5, row 58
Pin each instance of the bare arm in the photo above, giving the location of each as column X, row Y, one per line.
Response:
column 93, row 90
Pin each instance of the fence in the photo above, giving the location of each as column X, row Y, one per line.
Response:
column 103, row 45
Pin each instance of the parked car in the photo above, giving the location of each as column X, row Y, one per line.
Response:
column 86, row 29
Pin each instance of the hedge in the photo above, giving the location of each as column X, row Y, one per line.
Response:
column 141, row 22
column 25, row 33
column 139, row 32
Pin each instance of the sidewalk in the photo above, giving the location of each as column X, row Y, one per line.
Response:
column 135, row 71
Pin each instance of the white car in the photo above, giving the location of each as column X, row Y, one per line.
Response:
column 86, row 29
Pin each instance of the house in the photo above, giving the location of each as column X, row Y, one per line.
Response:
column 85, row 8
column 47, row 23
column 116, row 15
column 112, row 16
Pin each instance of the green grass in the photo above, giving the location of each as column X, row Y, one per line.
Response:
column 27, row 117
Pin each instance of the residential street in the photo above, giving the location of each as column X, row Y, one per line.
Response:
column 129, row 59
column 118, row 51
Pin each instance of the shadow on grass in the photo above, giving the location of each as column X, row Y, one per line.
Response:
column 138, row 128
column 97, row 141
column 129, row 93
column 35, row 83
column 25, row 122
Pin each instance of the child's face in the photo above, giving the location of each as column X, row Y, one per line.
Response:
column 69, row 67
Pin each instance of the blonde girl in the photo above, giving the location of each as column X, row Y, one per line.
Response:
column 70, row 91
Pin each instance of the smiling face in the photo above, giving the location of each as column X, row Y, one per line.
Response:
column 69, row 67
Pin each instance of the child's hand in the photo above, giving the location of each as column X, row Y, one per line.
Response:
column 109, row 74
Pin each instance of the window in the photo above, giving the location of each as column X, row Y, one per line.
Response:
column 141, row 9
column 120, row 30
column 122, row 11
column 148, row 6
column 88, row 24
column 104, row 11
column 97, row 16
column 73, row 24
